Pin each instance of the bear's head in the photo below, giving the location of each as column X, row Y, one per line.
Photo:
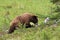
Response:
column 34, row 20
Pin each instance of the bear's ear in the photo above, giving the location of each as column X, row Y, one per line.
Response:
column 34, row 16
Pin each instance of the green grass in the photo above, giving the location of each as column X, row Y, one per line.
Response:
column 42, row 8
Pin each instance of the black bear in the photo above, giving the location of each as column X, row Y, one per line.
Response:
column 24, row 19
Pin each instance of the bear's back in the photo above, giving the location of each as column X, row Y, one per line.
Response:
column 25, row 17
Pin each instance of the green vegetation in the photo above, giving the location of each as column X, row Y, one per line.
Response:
column 42, row 8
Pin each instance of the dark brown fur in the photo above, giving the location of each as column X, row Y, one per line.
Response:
column 24, row 19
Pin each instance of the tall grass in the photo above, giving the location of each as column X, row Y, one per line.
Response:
column 42, row 8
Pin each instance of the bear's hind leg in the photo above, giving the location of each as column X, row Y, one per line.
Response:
column 11, row 30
